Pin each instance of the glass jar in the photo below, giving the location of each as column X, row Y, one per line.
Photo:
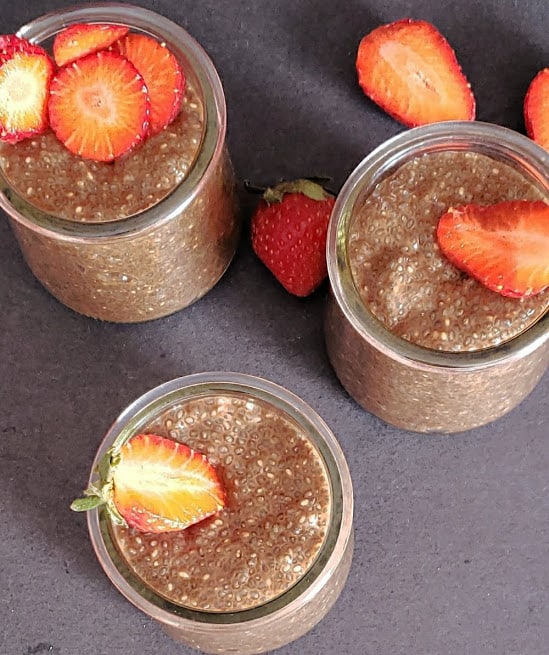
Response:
column 415, row 387
column 251, row 414
column 155, row 259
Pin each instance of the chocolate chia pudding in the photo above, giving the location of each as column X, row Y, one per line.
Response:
column 411, row 338
column 399, row 271
column 267, row 567
column 276, row 517
column 64, row 185
column 143, row 236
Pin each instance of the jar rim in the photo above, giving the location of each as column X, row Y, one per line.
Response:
column 486, row 138
column 150, row 405
column 215, row 119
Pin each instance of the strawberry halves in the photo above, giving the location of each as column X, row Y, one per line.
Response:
column 410, row 70
column 155, row 484
column 536, row 109
column 504, row 246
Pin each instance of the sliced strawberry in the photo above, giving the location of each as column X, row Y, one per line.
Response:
column 536, row 109
column 99, row 106
column 24, row 86
column 83, row 39
column 504, row 246
column 410, row 70
column 154, row 484
column 162, row 74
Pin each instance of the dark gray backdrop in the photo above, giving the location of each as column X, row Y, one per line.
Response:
column 452, row 540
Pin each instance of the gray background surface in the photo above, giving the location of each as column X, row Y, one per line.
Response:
column 452, row 544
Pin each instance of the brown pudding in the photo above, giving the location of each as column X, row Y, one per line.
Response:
column 411, row 338
column 46, row 174
column 399, row 271
column 267, row 567
column 276, row 518
column 145, row 235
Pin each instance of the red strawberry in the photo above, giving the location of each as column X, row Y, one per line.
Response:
column 504, row 246
column 24, row 86
column 536, row 109
column 289, row 229
column 410, row 70
column 99, row 106
column 10, row 44
column 162, row 74
column 82, row 39
column 154, row 484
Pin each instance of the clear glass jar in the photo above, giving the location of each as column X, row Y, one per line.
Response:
column 153, row 261
column 291, row 611
column 407, row 385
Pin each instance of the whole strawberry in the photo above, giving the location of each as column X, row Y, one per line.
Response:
column 289, row 230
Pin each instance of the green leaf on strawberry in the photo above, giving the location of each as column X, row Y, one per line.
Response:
column 304, row 186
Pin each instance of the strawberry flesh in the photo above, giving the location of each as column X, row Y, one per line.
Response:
column 25, row 79
column 161, row 485
column 504, row 246
column 410, row 70
column 289, row 229
column 99, row 106
column 83, row 39
column 162, row 74
column 536, row 109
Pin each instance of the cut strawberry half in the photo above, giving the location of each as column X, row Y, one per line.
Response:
column 155, row 484
column 24, row 87
column 536, row 109
column 410, row 70
column 99, row 106
column 83, row 39
column 162, row 74
column 504, row 246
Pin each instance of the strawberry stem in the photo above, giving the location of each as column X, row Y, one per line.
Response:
column 306, row 187
column 101, row 493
